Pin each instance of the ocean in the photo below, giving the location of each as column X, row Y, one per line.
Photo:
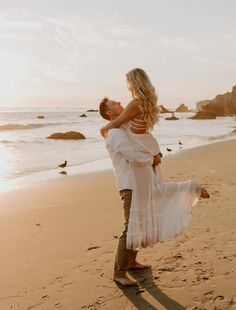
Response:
column 25, row 150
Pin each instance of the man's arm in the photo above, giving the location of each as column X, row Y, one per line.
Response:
column 119, row 142
column 129, row 112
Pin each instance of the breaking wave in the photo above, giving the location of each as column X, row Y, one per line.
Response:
column 224, row 136
column 19, row 126
column 6, row 127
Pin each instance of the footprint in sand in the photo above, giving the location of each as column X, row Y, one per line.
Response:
column 198, row 263
column 178, row 256
column 63, row 286
column 165, row 269
column 232, row 301
column 66, row 284
column 220, row 297
column 77, row 266
column 93, row 247
column 34, row 306
column 45, row 296
column 204, row 275
column 208, row 295
column 57, row 279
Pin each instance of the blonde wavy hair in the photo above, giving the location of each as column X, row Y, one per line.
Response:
column 142, row 89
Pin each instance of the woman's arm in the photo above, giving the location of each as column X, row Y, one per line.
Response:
column 129, row 112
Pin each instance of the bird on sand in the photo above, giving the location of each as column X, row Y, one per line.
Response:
column 169, row 150
column 180, row 143
column 63, row 165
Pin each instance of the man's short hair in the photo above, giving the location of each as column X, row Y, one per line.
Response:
column 103, row 108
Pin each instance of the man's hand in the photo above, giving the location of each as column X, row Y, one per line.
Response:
column 156, row 160
column 104, row 132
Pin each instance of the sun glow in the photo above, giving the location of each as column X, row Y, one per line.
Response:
column 13, row 75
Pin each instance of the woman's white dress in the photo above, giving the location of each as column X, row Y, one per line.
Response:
column 159, row 210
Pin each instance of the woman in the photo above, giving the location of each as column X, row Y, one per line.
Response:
column 159, row 210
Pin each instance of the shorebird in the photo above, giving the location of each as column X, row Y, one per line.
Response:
column 169, row 150
column 63, row 165
column 180, row 143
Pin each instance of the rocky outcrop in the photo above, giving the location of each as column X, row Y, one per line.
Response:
column 221, row 105
column 162, row 109
column 200, row 105
column 83, row 115
column 172, row 118
column 204, row 115
column 182, row 108
column 70, row 135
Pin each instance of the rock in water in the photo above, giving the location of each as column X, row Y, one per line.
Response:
column 204, row 115
column 221, row 105
column 182, row 108
column 70, row 135
column 92, row 110
column 172, row 118
column 162, row 109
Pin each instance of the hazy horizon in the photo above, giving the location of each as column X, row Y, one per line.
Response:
column 71, row 53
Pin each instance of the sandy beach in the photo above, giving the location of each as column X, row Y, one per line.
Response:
column 59, row 237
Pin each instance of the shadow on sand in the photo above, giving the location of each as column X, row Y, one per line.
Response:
column 146, row 280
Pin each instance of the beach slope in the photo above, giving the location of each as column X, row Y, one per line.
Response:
column 58, row 241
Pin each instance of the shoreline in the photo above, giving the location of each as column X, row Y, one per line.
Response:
column 59, row 239
column 27, row 152
column 90, row 167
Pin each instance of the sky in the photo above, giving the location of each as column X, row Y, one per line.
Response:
column 72, row 53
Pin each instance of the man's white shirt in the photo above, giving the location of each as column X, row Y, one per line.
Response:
column 123, row 156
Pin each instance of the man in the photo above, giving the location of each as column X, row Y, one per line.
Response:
column 123, row 156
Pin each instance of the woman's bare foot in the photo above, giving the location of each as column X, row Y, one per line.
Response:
column 125, row 281
column 137, row 265
column 204, row 193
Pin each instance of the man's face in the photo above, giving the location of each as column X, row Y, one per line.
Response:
column 114, row 108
